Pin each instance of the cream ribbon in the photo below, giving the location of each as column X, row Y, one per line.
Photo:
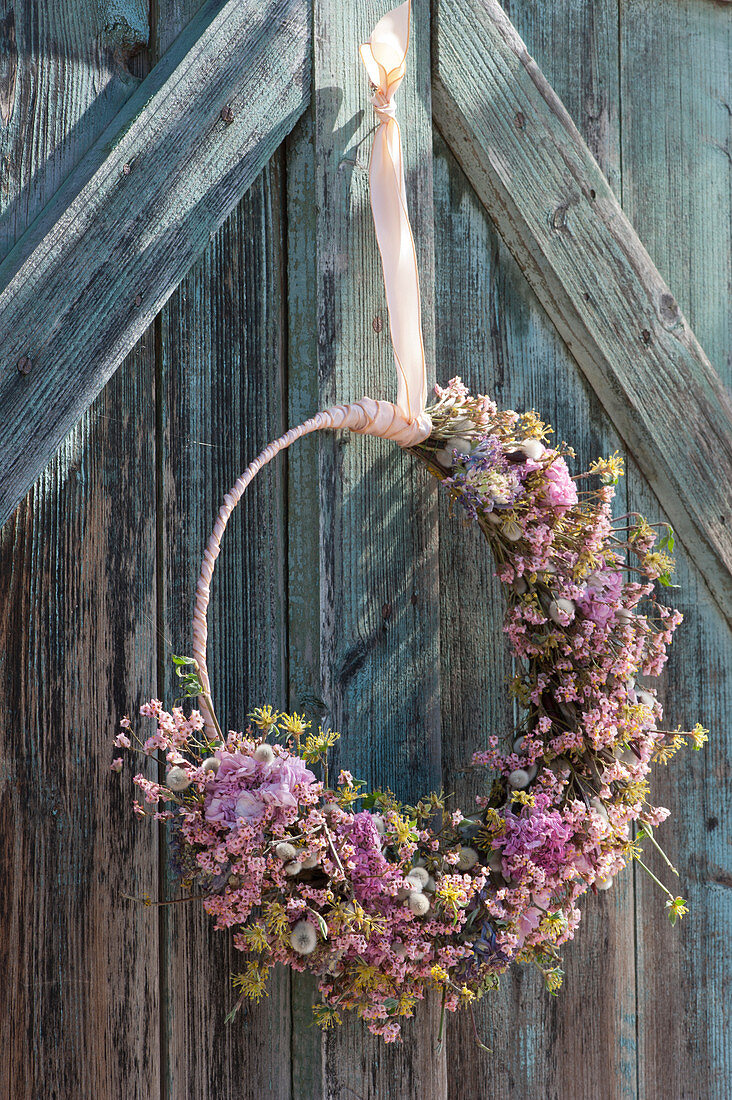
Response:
column 406, row 422
column 384, row 56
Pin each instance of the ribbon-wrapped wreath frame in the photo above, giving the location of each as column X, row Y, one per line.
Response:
column 384, row 901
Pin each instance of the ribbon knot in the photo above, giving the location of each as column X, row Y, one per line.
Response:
column 385, row 110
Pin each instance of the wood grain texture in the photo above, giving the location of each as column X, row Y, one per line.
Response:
column 63, row 77
column 684, row 983
column 495, row 333
column 222, row 347
column 222, row 361
column 328, row 594
column 378, row 563
column 79, row 1010
column 555, row 210
column 676, row 128
column 303, row 543
column 165, row 175
column 77, row 589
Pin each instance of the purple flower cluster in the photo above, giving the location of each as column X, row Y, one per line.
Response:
column 536, row 837
column 372, row 876
column 485, row 479
column 246, row 789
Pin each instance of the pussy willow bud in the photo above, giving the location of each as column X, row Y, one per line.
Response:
column 468, row 858
column 303, row 938
column 264, row 754
column 532, row 448
column 420, row 874
column 286, row 852
column 561, row 605
column 419, row 904
column 177, row 779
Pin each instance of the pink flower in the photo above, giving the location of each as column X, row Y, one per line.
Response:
column 116, row 765
column 248, row 806
column 246, row 790
column 601, row 596
column 559, row 489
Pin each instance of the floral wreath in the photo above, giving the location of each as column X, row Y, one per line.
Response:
column 384, row 901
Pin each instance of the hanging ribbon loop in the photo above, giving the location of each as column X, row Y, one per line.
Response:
column 406, row 422
column 384, row 56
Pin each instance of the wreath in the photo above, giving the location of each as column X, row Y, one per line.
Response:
column 384, row 901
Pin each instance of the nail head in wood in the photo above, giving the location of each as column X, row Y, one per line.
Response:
column 24, row 364
column 227, row 115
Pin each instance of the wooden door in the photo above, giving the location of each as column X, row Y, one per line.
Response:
column 282, row 314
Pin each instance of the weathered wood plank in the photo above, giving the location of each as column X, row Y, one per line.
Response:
column 139, row 210
column 555, row 210
column 77, row 637
column 63, row 78
column 493, row 331
column 77, row 592
column 684, row 973
column 378, row 564
column 303, row 543
column 222, row 348
column 676, row 180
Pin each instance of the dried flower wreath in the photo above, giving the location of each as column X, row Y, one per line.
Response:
column 385, row 901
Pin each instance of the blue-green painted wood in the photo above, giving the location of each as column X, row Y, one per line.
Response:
column 684, row 1047
column 553, row 206
column 303, row 544
column 378, row 563
column 118, row 237
column 254, row 298
column 496, row 334
column 79, row 1005
column 677, row 179
column 220, row 396
column 221, row 357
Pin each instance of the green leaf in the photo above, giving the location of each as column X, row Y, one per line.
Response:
column 668, row 541
column 321, row 923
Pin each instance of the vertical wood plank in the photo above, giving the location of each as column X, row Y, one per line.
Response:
column 677, row 169
column 221, row 350
column 379, row 627
column 303, row 494
column 676, row 173
column 221, row 354
column 77, row 592
column 77, row 638
column 684, row 982
column 494, row 333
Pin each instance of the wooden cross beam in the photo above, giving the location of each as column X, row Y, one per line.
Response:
column 554, row 208
column 93, row 271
